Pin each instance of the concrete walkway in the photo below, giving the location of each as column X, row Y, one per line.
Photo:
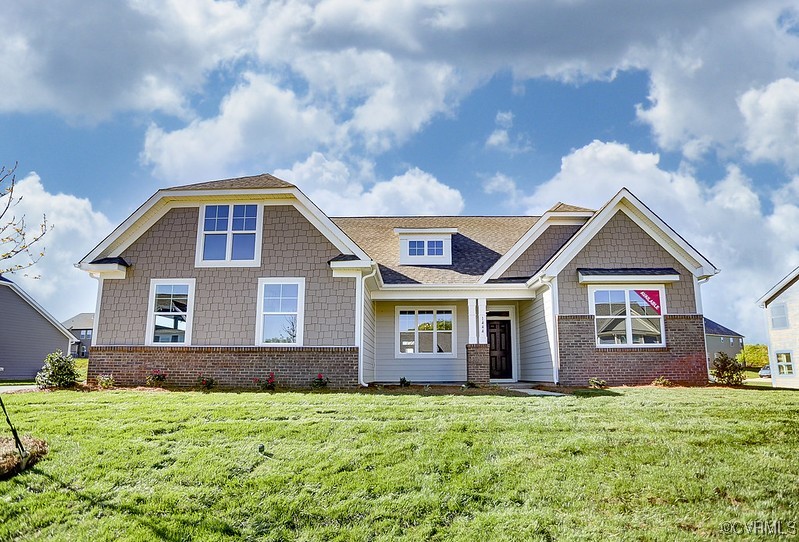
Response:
column 24, row 387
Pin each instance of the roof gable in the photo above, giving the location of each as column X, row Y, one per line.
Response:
column 714, row 328
column 7, row 283
column 779, row 288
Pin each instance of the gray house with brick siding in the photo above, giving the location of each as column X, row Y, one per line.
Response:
column 242, row 277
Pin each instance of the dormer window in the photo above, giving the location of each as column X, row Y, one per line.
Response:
column 425, row 246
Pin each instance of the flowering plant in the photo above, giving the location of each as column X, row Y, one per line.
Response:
column 156, row 378
column 265, row 384
column 205, row 382
column 320, row 381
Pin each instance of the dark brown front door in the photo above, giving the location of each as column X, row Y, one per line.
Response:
column 499, row 350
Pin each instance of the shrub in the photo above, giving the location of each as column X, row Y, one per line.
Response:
column 205, row 382
column 105, row 381
column 320, row 381
column 727, row 371
column 404, row 382
column 597, row 383
column 156, row 378
column 58, row 371
column 267, row 384
column 662, row 382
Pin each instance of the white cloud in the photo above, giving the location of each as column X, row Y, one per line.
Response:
column 500, row 183
column 725, row 221
column 61, row 289
column 339, row 192
column 500, row 138
column 771, row 116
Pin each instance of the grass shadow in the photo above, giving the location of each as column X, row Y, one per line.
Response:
column 589, row 393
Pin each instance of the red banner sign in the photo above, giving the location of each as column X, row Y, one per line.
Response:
column 652, row 297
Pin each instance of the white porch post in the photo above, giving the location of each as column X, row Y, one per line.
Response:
column 472, row 304
column 482, row 324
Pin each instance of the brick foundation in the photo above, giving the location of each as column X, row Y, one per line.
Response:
column 682, row 360
column 230, row 367
column 477, row 363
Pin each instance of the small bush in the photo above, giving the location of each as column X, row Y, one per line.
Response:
column 662, row 382
column 404, row 382
column 156, row 378
column 320, row 381
column 205, row 382
column 265, row 384
column 105, row 381
column 597, row 383
column 727, row 371
column 58, row 371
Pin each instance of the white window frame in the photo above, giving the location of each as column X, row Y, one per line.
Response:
column 772, row 317
column 148, row 339
column 227, row 262
column 777, row 364
column 259, row 320
column 628, row 318
column 398, row 353
column 444, row 237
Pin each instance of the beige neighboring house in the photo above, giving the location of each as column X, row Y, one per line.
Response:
column 782, row 317
column 81, row 326
column 239, row 278
column 721, row 339
column 28, row 333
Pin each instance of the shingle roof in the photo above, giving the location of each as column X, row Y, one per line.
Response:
column 561, row 207
column 653, row 271
column 117, row 260
column 253, row 182
column 479, row 243
column 713, row 328
column 84, row 320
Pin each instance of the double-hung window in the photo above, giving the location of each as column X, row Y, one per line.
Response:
column 281, row 311
column 785, row 365
column 779, row 315
column 170, row 312
column 628, row 315
column 426, row 331
column 229, row 235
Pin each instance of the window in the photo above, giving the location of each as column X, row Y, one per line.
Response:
column 784, row 364
column 628, row 316
column 426, row 331
column 170, row 313
column 229, row 235
column 281, row 304
column 415, row 248
column 85, row 334
column 435, row 248
column 779, row 316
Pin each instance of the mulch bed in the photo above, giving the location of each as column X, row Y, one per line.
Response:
column 9, row 456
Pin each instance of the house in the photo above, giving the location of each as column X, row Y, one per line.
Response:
column 81, row 326
column 782, row 316
column 241, row 277
column 721, row 339
column 28, row 333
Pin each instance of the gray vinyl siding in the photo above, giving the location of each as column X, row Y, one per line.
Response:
column 535, row 363
column 27, row 337
column 368, row 352
column 389, row 367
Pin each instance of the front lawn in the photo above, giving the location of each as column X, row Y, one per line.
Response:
column 645, row 463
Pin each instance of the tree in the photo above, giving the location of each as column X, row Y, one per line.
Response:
column 753, row 355
column 15, row 240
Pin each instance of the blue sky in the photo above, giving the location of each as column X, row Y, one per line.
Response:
column 415, row 107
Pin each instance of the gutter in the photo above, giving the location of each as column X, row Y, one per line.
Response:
column 360, row 297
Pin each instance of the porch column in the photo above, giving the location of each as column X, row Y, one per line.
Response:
column 472, row 304
column 482, row 324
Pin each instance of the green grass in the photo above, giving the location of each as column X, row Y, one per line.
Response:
column 82, row 366
column 645, row 463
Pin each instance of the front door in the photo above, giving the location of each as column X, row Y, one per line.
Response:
column 499, row 349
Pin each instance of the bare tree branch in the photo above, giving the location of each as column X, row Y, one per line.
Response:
column 15, row 240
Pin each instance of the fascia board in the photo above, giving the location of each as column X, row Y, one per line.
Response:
column 517, row 249
column 451, row 292
column 769, row 296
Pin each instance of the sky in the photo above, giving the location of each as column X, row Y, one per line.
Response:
column 412, row 107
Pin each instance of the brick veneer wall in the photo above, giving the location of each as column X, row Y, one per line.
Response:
column 682, row 360
column 230, row 367
column 477, row 364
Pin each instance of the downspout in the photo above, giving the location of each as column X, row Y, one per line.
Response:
column 360, row 338
column 555, row 344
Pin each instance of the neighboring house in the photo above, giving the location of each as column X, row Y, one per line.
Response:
column 720, row 339
column 81, row 326
column 782, row 314
column 28, row 333
column 242, row 277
